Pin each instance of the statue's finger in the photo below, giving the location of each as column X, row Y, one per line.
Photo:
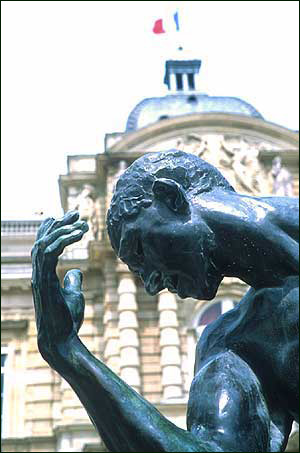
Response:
column 63, row 231
column 73, row 280
column 44, row 227
column 69, row 218
column 57, row 247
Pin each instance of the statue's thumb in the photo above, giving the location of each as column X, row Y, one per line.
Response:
column 73, row 280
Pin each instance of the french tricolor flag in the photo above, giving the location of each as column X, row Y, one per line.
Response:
column 164, row 25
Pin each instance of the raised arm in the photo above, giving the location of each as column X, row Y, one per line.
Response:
column 125, row 421
column 226, row 410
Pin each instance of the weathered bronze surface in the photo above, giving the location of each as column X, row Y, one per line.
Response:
column 178, row 224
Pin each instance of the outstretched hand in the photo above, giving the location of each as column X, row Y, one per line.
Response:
column 59, row 311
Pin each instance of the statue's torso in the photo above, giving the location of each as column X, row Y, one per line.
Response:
column 263, row 329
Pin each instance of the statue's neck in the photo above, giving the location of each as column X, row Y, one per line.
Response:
column 255, row 237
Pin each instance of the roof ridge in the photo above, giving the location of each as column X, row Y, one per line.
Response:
column 150, row 110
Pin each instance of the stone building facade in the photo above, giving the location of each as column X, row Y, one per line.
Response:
column 148, row 340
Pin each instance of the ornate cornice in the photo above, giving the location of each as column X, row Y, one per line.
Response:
column 9, row 324
column 23, row 283
column 209, row 123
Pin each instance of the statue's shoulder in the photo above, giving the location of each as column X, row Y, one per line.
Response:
column 262, row 314
column 284, row 213
column 286, row 290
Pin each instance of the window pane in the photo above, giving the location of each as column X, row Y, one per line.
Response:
column 179, row 81
column 210, row 314
column 191, row 81
column 3, row 358
column 2, row 390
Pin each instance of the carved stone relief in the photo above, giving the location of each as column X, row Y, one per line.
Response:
column 85, row 201
column 236, row 157
column 282, row 179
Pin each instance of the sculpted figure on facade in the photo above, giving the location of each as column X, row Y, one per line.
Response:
column 85, row 203
column 234, row 156
column 282, row 179
column 179, row 225
column 248, row 172
column 207, row 146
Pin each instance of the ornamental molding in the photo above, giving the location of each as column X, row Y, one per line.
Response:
column 9, row 324
column 207, row 123
column 15, row 282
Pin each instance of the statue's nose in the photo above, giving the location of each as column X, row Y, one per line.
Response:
column 154, row 283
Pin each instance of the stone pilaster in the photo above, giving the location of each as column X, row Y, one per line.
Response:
column 128, row 328
column 113, row 175
column 110, row 317
column 170, row 346
column 39, row 391
column 110, row 185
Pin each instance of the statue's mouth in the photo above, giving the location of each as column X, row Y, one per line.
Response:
column 179, row 284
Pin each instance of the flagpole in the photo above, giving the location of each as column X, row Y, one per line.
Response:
column 178, row 31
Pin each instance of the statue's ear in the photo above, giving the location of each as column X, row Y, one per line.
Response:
column 172, row 194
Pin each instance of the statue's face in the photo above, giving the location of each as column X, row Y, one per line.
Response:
column 168, row 250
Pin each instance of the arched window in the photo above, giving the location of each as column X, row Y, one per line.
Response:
column 192, row 99
column 4, row 353
column 211, row 312
column 204, row 316
column 163, row 117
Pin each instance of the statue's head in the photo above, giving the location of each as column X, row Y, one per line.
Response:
column 156, row 193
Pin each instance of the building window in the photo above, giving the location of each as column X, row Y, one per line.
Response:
column 192, row 99
column 3, row 369
column 191, row 81
column 212, row 312
column 179, row 82
column 207, row 314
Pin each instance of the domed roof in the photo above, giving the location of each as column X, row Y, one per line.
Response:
column 151, row 110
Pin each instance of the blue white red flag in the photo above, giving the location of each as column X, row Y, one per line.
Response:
column 166, row 25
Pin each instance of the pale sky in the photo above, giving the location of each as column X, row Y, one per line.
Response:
column 73, row 70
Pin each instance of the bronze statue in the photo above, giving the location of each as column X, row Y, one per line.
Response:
column 178, row 224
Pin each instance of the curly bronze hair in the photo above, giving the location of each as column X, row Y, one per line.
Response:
column 134, row 188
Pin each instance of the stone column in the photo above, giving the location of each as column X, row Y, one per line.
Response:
column 110, row 317
column 197, row 81
column 185, row 82
column 128, row 328
column 173, row 86
column 170, row 346
column 110, row 185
